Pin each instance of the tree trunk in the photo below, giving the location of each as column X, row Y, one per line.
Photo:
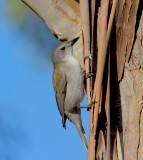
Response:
column 131, row 95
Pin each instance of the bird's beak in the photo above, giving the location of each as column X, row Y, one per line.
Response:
column 73, row 41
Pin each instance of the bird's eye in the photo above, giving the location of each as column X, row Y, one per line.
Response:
column 63, row 48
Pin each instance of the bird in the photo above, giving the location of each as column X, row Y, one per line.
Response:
column 68, row 86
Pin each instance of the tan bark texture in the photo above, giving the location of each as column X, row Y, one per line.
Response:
column 131, row 91
column 126, row 48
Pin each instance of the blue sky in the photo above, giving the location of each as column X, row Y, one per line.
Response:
column 30, row 124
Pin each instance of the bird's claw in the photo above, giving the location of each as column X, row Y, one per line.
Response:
column 88, row 75
column 89, row 106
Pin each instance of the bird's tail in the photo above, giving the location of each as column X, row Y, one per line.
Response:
column 76, row 119
column 82, row 134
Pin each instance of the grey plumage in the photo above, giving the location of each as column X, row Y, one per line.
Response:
column 68, row 86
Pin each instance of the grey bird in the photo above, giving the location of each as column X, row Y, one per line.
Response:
column 68, row 85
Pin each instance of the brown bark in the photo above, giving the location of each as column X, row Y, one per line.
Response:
column 131, row 91
column 125, row 30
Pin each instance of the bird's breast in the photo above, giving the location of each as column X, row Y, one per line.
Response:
column 74, row 83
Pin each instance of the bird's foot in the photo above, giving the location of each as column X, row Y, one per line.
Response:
column 89, row 106
column 88, row 75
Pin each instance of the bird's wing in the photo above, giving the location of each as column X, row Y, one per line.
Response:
column 60, row 84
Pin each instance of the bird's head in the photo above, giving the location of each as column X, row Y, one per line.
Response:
column 63, row 50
